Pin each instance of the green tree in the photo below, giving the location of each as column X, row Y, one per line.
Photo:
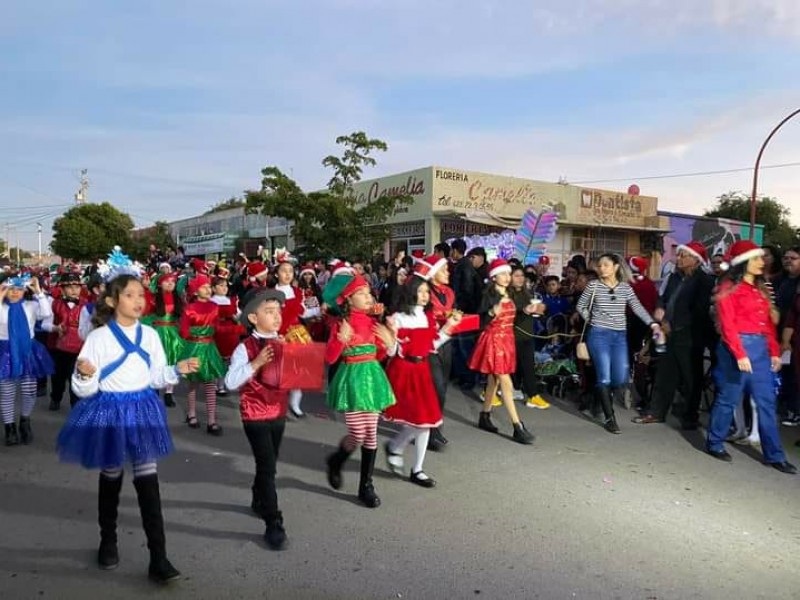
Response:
column 770, row 213
column 158, row 234
column 90, row 231
column 232, row 202
column 330, row 222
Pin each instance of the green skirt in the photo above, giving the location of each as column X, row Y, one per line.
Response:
column 360, row 387
column 212, row 367
column 172, row 342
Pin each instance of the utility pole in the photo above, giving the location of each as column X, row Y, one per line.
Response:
column 18, row 263
column 82, row 196
column 39, row 232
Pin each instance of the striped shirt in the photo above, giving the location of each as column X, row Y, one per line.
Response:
column 608, row 307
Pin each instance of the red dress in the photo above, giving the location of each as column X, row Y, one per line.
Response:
column 313, row 315
column 495, row 352
column 409, row 371
column 228, row 330
column 293, row 309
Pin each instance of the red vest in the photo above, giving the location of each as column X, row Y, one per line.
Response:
column 68, row 318
column 257, row 401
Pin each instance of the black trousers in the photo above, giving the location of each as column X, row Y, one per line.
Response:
column 681, row 367
column 525, row 375
column 265, row 441
column 441, row 363
column 60, row 380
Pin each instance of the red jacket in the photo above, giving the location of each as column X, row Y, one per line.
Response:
column 741, row 309
column 257, row 401
column 68, row 318
column 646, row 292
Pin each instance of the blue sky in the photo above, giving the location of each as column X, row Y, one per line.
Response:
column 173, row 106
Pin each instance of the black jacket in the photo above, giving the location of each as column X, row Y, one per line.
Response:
column 467, row 286
column 687, row 305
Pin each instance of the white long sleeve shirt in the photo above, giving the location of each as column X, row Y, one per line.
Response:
column 36, row 310
column 102, row 348
column 419, row 320
column 85, row 326
column 240, row 371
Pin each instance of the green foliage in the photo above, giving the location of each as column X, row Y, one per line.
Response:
column 770, row 213
column 90, row 231
column 158, row 235
column 329, row 223
column 231, row 202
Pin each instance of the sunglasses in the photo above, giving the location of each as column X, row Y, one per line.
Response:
column 611, row 293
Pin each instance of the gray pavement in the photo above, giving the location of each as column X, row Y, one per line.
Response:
column 581, row 514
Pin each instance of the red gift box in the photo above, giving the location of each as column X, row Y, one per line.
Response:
column 295, row 367
column 466, row 324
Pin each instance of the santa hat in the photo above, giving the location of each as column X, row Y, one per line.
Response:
column 498, row 266
column 427, row 267
column 308, row 268
column 196, row 283
column 165, row 266
column 740, row 252
column 341, row 268
column 168, row 276
column 256, row 269
column 696, row 249
column 199, row 266
column 355, row 284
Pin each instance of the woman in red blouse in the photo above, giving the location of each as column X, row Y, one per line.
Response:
column 748, row 355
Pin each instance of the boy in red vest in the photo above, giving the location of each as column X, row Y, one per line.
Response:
column 65, row 342
column 262, row 407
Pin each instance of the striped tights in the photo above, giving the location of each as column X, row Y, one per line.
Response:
column 211, row 400
column 8, row 396
column 139, row 470
column 362, row 430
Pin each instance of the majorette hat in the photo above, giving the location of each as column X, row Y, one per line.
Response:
column 256, row 269
column 498, row 266
column 196, row 283
column 427, row 267
column 740, row 252
column 70, row 279
column 696, row 249
column 308, row 268
column 223, row 272
column 355, row 284
column 281, row 256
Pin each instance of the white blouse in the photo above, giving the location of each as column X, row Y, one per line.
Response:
column 36, row 310
column 419, row 320
column 101, row 349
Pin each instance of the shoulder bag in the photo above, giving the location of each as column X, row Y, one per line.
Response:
column 582, row 350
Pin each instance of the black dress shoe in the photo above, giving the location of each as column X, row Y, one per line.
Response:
column 425, row 482
column 720, row 455
column 784, row 467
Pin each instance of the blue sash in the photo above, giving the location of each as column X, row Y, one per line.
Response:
column 128, row 348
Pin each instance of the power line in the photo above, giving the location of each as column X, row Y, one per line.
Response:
column 692, row 174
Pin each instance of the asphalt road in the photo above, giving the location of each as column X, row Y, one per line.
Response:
column 581, row 514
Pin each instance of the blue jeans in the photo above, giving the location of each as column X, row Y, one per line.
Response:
column 608, row 349
column 732, row 384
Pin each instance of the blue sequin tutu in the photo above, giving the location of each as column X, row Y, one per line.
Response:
column 38, row 363
column 110, row 429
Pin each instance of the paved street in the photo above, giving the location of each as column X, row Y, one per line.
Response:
column 582, row 514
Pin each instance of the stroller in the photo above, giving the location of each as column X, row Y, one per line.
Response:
column 556, row 365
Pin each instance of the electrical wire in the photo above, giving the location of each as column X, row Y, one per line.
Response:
column 691, row 174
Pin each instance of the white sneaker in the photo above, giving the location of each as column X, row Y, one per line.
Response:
column 518, row 395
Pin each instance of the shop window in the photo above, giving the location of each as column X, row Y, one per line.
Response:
column 594, row 242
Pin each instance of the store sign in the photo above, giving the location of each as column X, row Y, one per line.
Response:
column 206, row 244
column 416, row 184
column 456, row 228
column 601, row 206
column 408, row 230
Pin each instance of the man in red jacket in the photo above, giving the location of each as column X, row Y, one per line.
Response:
column 65, row 343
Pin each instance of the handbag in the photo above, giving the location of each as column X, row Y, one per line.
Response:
column 582, row 350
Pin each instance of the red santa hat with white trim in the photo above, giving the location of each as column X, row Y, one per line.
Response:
column 256, row 270
column 497, row 266
column 341, row 268
column 427, row 267
column 740, row 252
column 308, row 268
column 639, row 266
column 696, row 249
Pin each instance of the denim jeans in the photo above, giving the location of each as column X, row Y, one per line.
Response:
column 608, row 349
column 732, row 384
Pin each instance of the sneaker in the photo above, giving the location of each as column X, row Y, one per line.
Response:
column 537, row 402
column 496, row 401
column 791, row 421
column 518, row 395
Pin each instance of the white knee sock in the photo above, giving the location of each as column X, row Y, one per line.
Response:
column 295, row 396
column 420, row 447
column 28, row 393
column 402, row 439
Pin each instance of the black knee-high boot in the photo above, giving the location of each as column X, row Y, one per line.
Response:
column 335, row 463
column 161, row 570
column 366, row 491
column 604, row 399
column 107, row 504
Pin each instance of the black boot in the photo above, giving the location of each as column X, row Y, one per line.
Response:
column 485, row 422
column 12, row 439
column 107, row 504
column 604, row 400
column 335, row 463
column 522, row 435
column 437, row 441
column 275, row 535
column 366, row 491
column 169, row 401
column 25, row 431
column 161, row 570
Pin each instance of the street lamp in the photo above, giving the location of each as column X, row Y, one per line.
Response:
column 755, row 174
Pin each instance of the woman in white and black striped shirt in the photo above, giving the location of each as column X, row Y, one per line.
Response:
column 603, row 305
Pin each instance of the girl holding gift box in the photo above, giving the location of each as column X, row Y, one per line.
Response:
column 228, row 331
column 312, row 301
column 360, row 388
column 410, row 374
column 164, row 309
column 495, row 353
column 197, row 327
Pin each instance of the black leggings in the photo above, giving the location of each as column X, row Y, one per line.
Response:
column 525, row 375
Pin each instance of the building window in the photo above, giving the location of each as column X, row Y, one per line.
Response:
column 594, row 242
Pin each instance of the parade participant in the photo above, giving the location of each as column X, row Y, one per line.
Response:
column 293, row 310
column 603, row 306
column 312, row 302
column 228, row 330
column 163, row 311
column 495, row 353
column 63, row 341
column 262, row 407
column 22, row 358
column 529, row 309
column 748, row 354
column 433, row 269
column 647, row 293
column 197, row 323
column 409, row 371
column 360, row 388
column 95, row 287
column 121, row 418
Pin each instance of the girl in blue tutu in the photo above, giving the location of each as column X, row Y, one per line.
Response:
column 121, row 418
column 23, row 359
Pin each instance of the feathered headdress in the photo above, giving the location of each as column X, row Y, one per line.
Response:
column 118, row 263
column 534, row 233
column 282, row 255
column 19, row 281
